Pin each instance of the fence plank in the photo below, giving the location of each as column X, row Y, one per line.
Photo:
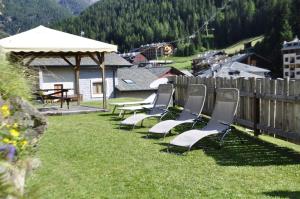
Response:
column 279, row 105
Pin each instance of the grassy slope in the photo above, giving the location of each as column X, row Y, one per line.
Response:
column 86, row 156
column 237, row 47
column 182, row 63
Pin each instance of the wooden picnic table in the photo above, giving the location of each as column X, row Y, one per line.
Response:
column 60, row 94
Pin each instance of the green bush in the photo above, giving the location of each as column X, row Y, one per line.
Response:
column 15, row 80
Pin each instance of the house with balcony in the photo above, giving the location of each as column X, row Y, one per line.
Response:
column 291, row 59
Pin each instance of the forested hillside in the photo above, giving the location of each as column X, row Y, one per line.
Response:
column 132, row 23
column 20, row 15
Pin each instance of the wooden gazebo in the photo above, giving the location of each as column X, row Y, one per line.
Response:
column 46, row 42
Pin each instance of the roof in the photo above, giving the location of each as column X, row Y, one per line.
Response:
column 229, row 73
column 234, row 70
column 111, row 59
column 159, row 71
column 42, row 39
column 245, row 67
column 294, row 44
column 141, row 77
column 209, row 54
column 242, row 57
column 187, row 73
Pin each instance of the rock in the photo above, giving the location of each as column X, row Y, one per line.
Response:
column 29, row 117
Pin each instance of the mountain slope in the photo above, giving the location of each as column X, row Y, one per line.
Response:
column 135, row 22
column 20, row 15
column 76, row 6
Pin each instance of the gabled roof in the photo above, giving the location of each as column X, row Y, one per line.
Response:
column 233, row 70
column 187, row 73
column 225, row 73
column 111, row 59
column 141, row 77
column 245, row 67
column 159, row 71
column 42, row 39
column 242, row 57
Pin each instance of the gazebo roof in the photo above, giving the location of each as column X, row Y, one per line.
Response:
column 42, row 39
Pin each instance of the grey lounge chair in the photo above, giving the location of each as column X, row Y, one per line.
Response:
column 134, row 109
column 160, row 108
column 148, row 101
column 190, row 114
column 220, row 124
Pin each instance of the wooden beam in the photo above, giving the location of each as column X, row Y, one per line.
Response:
column 66, row 60
column 77, row 75
column 95, row 59
column 100, row 58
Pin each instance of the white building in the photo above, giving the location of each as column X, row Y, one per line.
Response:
column 291, row 59
column 55, row 73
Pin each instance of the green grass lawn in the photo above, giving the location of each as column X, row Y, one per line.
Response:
column 87, row 156
column 237, row 47
column 181, row 63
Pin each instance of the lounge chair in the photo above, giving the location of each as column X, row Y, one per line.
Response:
column 190, row 114
column 148, row 100
column 220, row 123
column 134, row 109
column 159, row 110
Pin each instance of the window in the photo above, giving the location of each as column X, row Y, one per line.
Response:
column 96, row 88
column 298, row 58
column 286, row 74
column 128, row 81
column 286, row 59
column 286, row 66
column 292, row 74
column 298, row 73
column 292, row 60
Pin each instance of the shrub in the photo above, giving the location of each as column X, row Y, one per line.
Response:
column 14, row 80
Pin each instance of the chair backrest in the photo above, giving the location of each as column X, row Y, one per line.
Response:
column 150, row 99
column 163, row 98
column 195, row 102
column 225, row 108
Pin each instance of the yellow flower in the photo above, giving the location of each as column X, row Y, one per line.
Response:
column 5, row 110
column 15, row 125
column 14, row 133
column 6, row 140
column 8, row 126
column 23, row 144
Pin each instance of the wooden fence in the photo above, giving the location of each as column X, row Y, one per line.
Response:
column 266, row 105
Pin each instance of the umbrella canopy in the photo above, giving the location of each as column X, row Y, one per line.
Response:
column 42, row 39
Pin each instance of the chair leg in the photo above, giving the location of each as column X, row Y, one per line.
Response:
column 168, row 148
column 123, row 114
column 223, row 137
column 113, row 112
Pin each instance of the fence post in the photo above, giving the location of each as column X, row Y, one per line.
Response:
column 256, row 107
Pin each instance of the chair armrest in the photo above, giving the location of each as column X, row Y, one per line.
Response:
column 226, row 124
column 195, row 114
